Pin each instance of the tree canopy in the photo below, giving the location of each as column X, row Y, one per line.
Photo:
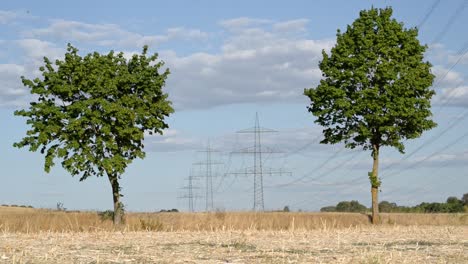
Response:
column 375, row 86
column 375, row 89
column 92, row 112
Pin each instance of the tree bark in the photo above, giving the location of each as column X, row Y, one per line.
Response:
column 375, row 205
column 118, row 210
column 375, row 183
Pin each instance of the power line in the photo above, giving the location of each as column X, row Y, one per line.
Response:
column 437, row 38
column 311, row 172
column 461, row 54
column 224, row 176
column 428, row 186
column 303, row 147
column 328, row 172
column 431, row 140
column 451, row 20
column 463, row 50
column 208, row 175
column 258, row 170
column 428, row 14
column 190, row 196
column 457, row 140
column 420, row 188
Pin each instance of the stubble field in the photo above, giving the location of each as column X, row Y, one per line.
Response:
column 232, row 238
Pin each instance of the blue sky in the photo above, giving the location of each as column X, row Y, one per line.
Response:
column 229, row 60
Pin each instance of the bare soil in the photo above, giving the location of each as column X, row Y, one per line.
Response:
column 361, row 244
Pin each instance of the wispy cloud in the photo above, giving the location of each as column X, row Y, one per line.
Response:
column 254, row 62
column 109, row 34
column 172, row 140
column 242, row 22
column 7, row 16
column 291, row 25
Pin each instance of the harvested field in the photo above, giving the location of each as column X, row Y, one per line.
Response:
column 28, row 220
column 367, row 244
column 47, row 236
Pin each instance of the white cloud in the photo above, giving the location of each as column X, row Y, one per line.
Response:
column 241, row 22
column 12, row 92
column 7, row 16
column 171, row 140
column 291, row 25
column 445, row 76
column 16, row 17
column 254, row 65
column 459, row 58
column 440, row 53
column 451, row 87
column 305, row 140
column 35, row 49
column 184, row 33
column 440, row 160
column 450, row 84
column 109, row 34
column 453, row 96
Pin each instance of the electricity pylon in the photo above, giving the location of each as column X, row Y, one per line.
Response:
column 208, row 175
column 190, row 196
column 258, row 170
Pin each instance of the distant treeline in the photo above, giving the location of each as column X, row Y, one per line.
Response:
column 452, row 205
column 14, row 205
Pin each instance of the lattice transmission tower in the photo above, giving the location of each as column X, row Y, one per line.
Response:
column 191, row 195
column 208, row 175
column 258, row 170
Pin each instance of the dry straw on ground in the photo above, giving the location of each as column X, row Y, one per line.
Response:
column 365, row 244
column 35, row 220
column 45, row 236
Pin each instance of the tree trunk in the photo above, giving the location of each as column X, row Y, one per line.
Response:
column 118, row 210
column 375, row 205
column 375, row 183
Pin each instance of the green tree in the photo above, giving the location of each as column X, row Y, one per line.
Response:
column 387, row 207
column 350, row 206
column 454, row 205
column 92, row 112
column 465, row 199
column 375, row 89
column 452, row 200
column 328, row 209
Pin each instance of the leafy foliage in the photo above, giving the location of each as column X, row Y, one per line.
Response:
column 388, row 207
column 92, row 111
column 375, row 86
column 352, row 206
column 106, row 215
column 345, row 206
column 453, row 205
column 465, row 199
column 328, row 209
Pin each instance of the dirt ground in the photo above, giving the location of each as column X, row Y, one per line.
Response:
column 383, row 244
